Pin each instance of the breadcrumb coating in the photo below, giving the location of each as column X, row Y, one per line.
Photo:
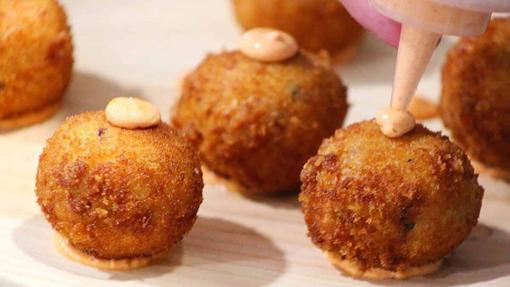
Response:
column 117, row 193
column 475, row 100
column 257, row 123
column 389, row 204
column 35, row 58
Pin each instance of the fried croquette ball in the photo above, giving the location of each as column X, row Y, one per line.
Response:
column 389, row 208
column 475, row 100
column 316, row 24
column 35, row 60
column 117, row 193
column 257, row 123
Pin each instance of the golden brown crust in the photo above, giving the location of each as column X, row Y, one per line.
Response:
column 118, row 193
column 257, row 123
column 316, row 24
column 475, row 101
column 35, row 56
column 29, row 118
column 389, row 203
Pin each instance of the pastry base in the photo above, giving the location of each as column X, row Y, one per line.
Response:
column 212, row 177
column 29, row 118
column 494, row 172
column 71, row 252
column 347, row 54
column 354, row 270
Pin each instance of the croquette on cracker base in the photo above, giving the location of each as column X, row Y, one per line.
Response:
column 116, row 193
column 475, row 100
column 391, row 204
column 257, row 123
column 35, row 60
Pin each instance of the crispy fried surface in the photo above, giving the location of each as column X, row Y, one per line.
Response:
column 35, row 55
column 316, row 24
column 389, row 203
column 117, row 193
column 475, row 101
column 257, row 123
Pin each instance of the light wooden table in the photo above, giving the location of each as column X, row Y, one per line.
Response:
column 142, row 48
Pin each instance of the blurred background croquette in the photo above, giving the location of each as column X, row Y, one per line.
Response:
column 316, row 24
column 257, row 123
column 475, row 100
column 389, row 208
column 116, row 193
column 35, row 61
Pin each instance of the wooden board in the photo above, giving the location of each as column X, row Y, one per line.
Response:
column 142, row 48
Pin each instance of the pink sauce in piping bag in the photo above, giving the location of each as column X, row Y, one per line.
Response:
column 423, row 24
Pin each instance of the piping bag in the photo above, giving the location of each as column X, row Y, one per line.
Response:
column 423, row 24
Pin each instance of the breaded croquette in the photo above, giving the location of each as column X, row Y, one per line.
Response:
column 389, row 208
column 35, row 61
column 475, row 100
column 257, row 123
column 117, row 193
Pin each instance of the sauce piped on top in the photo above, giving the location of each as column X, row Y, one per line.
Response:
column 131, row 113
column 395, row 122
column 268, row 45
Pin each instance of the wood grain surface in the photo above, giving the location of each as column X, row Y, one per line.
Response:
column 142, row 48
